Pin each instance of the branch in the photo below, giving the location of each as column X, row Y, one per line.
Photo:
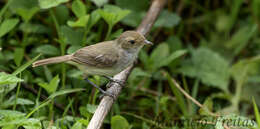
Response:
column 107, row 102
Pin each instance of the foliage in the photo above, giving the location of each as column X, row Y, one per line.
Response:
column 212, row 49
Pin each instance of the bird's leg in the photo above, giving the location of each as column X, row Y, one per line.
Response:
column 101, row 90
column 121, row 83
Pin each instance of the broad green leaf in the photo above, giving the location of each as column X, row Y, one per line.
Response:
column 134, row 18
column 94, row 17
column 25, row 4
column 159, row 54
column 143, row 56
column 170, row 58
column 11, row 113
column 71, row 36
column 167, row 19
column 91, row 108
column 81, row 22
column 119, row 122
column 52, row 86
column 18, row 56
column 138, row 72
column 23, row 67
column 20, row 101
column 8, row 79
column 77, row 125
column 44, row 4
column 62, row 13
column 99, row 3
column 66, row 91
column 32, row 123
column 73, row 48
column 78, row 8
column 27, row 14
column 34, row 28
column 113, row 14
column 48, row 50
column 209, row 67
column 7, row 25
column 241, row 69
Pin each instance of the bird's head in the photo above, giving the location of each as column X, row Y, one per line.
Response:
column 132, row 41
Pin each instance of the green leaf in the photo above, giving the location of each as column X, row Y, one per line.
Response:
column 18, row 56
column 99, row 3
column 170, row 58
column 71, row 36
column 91, row 108
column 77, row 125
column 134, row 5
column 241, row 38
column 23, row 67
column 167, row 19
column 10, row 113
column 119, row 122
column 73, row 49
column 32, row 123
column 52, row 86
column 81, row 22
column 256, row 8
column 78, row 8
column 8, row 79
column 134, row 18
column 26, row 13
column 44, row 4
column 209, row 67
column 159, row 54
column 65, row 91
column 20, row 101
column 34, row 28
column 94, row 17
column 7, row 25
column 48, row 50
column 257, row 114
column 113, row 14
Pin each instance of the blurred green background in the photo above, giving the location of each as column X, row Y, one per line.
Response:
column 212, row 49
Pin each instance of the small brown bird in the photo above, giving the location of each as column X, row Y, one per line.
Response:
column 106, row 58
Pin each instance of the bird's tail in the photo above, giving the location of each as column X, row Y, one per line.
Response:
column 52, row 60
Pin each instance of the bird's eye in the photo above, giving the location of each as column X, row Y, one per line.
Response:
column 132, row 41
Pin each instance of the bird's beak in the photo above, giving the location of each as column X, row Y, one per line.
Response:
column 148, row 42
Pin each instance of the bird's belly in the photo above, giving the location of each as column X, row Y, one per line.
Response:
column 101, row 71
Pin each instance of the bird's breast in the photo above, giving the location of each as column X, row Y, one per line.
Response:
column 126, row 59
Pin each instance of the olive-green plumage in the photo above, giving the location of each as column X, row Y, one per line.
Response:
column 106, row 58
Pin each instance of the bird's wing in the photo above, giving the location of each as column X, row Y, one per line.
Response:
column 101, row 55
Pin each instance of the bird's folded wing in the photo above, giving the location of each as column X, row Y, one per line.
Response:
column 101, row 57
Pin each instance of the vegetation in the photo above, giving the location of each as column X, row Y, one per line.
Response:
column 212, row 49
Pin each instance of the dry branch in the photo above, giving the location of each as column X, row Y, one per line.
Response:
column 107, row 102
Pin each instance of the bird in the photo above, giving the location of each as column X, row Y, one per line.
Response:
column 106, row 58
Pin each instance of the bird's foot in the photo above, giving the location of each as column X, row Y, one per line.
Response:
column 121, row 83
column 105, row 93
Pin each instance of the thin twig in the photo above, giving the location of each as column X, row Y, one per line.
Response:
column 107, row 102
column 191, row 98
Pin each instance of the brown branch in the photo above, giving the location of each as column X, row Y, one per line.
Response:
column 107, row 102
